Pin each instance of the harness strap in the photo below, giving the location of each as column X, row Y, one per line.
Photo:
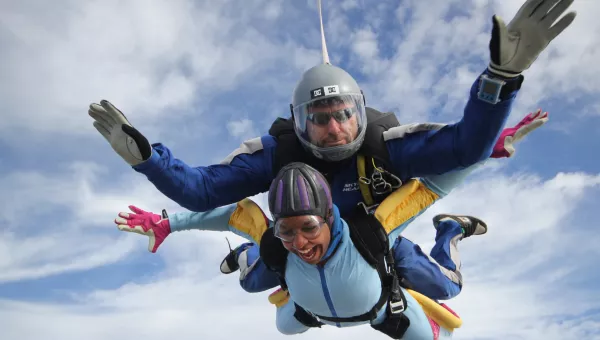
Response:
column 363, row 182
column 374, row 181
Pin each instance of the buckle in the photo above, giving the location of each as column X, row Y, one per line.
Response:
column 368, row 209
column 397, row 307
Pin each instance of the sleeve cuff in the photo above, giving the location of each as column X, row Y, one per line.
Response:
column 152, row 164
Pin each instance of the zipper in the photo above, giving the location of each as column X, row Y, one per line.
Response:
column 321, row 270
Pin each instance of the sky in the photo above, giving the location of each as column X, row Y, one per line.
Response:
column 203, row 76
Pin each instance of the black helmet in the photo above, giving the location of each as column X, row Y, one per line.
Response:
column 299, row 189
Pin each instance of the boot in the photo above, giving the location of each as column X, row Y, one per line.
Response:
column 230, row 262
column 470, row 225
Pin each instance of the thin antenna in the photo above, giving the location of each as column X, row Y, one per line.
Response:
column 323, row 44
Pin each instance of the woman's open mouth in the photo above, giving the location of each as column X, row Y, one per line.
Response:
column 308, row 254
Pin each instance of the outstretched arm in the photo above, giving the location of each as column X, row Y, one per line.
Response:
column 245, row 172
column 417, row 150
column 417, row 195
column 428, row 150
column 245, row 219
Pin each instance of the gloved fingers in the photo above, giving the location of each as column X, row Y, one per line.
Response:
column 132, row 220
column 130, row 216
column 509, row 146
column 526, row 129
column 542, row 9
column 534, row 115
column 129, row 222
column 136, row 230
column 551, row 14
column 151, row 245
column 529, row 7
column 126, row 215
column 96, row 108
column 98, row 111
column 531, row 117
column 106, row 117
column 525, row 120
column 114, row 113
column 560, row 26
column 541, row 117
column 100, row 119
column 103, row 131
column 138, row 210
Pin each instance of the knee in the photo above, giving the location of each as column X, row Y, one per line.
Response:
column 251, row 287
column 451, row 289
column 286, row 322
column 285, row 330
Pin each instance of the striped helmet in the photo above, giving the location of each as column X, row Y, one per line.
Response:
column 299, row 189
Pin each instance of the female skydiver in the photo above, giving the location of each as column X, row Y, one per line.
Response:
column 323, row 266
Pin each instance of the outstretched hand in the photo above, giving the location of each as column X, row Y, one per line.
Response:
column 514, row 47
column 505, row 145
column 126, row 140
column 155, row 226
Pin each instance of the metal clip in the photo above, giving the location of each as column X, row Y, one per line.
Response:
column 368, row 209
column 397, row 307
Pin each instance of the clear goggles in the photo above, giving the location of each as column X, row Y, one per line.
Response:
column 319, row 112
column 310, row 228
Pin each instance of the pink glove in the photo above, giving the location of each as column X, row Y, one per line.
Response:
column 504, row 146
column 156, row 227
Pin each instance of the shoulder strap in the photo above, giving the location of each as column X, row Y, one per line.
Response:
column 288, row 148
column 377, row 123
column 368, row 235
column 375, row 182
column 274, row 255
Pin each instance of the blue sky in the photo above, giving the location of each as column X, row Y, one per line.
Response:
column 201, row 77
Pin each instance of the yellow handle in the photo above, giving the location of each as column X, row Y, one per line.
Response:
column 438, row 313
column 279, row 297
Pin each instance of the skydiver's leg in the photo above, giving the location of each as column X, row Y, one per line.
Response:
column 255, row 277
column 437, row 275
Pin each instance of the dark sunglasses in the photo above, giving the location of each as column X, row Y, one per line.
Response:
column 322, row 118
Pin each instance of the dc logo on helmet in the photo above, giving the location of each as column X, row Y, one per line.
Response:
column 325, row 91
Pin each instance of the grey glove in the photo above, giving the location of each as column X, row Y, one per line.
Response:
column 515, row 47
column 128, row 142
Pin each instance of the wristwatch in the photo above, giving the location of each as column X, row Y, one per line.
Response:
column 495, row 89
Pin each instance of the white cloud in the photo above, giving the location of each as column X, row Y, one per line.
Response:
column 243, row 128
column 146, row 57
column 365, row 44
column 55, row 223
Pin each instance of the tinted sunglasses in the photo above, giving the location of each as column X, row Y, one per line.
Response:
column 322, row 118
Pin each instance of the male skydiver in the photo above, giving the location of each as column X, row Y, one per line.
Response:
column 320, row 257
column 330, row 122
